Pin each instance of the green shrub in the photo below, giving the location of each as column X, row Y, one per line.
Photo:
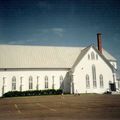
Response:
column 33, row 93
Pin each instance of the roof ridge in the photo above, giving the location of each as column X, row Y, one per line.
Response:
column 24, row 45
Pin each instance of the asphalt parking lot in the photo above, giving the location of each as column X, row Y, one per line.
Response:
column 66, row 107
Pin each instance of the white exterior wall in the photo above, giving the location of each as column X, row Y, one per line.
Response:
column 79, row 77
column 85, row 67
column 34, row 73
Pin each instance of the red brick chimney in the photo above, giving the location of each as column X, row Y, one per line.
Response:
column 99, row 42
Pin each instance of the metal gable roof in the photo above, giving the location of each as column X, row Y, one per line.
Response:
column 108, row 55
column 22, row 56
column 17, row 56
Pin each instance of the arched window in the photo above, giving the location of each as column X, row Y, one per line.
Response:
column 96, row 56
column 94, row 72
column 92, row 55
column 37, row 86
column 94, row 76
column 13, row 83
column 88, row 57
column 87, row 81
column 3, row 87
column 53, row 84
column 30, row 82
column 46, row 81
column 21, row 80
column 101, row 81
column 61, row 80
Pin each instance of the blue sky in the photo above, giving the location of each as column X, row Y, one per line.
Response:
column 61, row 23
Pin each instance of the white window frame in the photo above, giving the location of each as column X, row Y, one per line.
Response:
column 46, row 82
column 13, row 83
column 30, row 83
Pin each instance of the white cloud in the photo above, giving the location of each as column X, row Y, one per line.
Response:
column 58, row 31
column 40, row 35
column 19, row 42
column 55, row 31
column 16, row 42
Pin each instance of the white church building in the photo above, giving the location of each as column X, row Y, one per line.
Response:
column 74, row 69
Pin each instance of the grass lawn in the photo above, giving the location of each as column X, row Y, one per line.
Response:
column 66, row 107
